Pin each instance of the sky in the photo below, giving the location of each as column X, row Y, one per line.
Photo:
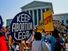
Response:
column 9, row 8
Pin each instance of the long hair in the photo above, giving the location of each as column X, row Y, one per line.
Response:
column 1, row 33
column 37, row 36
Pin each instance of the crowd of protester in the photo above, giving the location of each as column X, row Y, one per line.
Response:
column 45, row 41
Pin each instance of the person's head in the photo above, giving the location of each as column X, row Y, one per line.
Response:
column 7, row 28
column 1, row 33
column 48, row 32
column 55, row 33
column 37, row 36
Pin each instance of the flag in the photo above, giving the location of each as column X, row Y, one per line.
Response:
column 48, row 23
column 40, row 27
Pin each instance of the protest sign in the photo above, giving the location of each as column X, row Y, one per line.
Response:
column 21, row 26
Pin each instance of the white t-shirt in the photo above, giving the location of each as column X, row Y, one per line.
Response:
column 36, row 46
column 39, row 46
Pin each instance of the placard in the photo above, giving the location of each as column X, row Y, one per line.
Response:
column 21, row 26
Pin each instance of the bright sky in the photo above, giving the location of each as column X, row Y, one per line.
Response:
column 9, row 8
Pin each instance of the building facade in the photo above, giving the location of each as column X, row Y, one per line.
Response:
column 36, row 10
column 63, row 18
column 8, row 22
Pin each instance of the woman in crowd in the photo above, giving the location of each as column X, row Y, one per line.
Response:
column 37, row 44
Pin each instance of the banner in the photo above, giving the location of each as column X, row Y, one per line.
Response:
column 48, row 23
column 40, row 27
column 21, row 26
column 1, row 22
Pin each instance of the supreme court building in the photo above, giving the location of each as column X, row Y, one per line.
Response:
column 36, row 9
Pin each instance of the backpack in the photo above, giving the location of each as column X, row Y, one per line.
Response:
column 58, row 44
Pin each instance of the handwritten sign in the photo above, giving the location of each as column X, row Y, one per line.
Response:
column 21, row 26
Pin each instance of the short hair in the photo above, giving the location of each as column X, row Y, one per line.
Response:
column 37, row 36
